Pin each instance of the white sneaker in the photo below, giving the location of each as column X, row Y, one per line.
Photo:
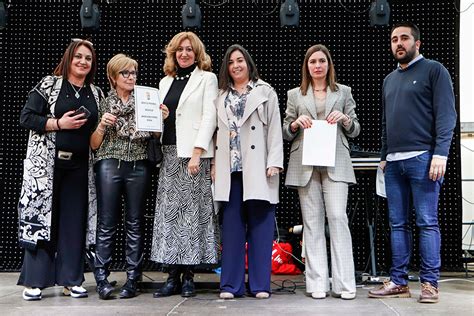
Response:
column 262, row 295
column 348, row 295
column 31, row 294
column 75, row 291
column 318, row 295
column 226, row 295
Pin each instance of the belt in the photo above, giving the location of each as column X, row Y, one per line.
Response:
column 64, row 155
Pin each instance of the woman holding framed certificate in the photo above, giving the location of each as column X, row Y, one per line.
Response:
column 121, row 169
column 185, row 231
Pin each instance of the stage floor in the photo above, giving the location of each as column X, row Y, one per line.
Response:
column 457, row 298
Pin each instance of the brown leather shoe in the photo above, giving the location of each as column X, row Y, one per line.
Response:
column 429, row 293
column 390, row 289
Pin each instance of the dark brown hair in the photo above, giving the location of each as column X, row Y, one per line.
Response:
column 63, row 68
column 305, row 75
column 415, row 31
column 224, row 78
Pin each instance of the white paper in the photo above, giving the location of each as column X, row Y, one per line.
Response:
column 319, row 144
column 147, row 109
column 380, row 183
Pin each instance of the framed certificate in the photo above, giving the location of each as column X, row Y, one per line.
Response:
column 147, row 109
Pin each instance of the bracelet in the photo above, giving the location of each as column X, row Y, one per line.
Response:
column 57, row 124
column 101, row 131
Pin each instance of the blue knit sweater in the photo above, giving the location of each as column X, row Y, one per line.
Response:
column 418, row 109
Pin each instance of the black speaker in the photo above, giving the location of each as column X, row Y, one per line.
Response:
column 191, row 15
column 289, row 14
column 379, row 13
column 3, row 15
column 90, row 16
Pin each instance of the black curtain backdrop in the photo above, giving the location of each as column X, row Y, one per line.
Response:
column 39, row 31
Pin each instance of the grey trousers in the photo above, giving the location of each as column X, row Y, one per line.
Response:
column 319, row 198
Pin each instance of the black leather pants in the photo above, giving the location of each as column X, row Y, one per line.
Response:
column 114, row 180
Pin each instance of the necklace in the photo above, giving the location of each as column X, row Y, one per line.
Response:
column 77, row 95
column 183, row 77
column 319, row 90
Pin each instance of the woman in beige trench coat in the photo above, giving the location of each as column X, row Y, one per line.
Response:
column 248, row 160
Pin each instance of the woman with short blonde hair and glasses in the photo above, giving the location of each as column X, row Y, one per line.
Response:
column 122, row 171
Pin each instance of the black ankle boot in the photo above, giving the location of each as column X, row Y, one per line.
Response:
column 129, row 289
column 172, row 285
column 105, row 289
column 188, row 289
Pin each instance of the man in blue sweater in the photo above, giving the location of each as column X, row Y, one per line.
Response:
column 417, row 127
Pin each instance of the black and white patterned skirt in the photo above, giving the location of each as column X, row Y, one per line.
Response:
column 186, row 228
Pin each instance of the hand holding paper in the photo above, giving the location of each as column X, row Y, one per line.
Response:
column 319, row 144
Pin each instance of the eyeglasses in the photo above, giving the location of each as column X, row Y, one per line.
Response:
column 126, row 73
column 81, row 40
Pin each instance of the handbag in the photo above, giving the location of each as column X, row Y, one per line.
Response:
column 154, row 152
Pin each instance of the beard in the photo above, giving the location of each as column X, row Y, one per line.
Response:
column 405, row 59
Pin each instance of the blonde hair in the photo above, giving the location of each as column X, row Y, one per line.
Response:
column 202, row 58
column 116, row 64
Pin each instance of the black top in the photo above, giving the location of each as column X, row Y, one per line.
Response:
column 33, row 116
column 171, row 101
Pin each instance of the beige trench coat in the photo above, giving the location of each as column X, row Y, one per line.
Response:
column 261, row 144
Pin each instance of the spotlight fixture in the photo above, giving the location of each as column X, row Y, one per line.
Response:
column 289, row 13
column 379, row 13
column 3, row 15
column 90, row 16
column 191, row 15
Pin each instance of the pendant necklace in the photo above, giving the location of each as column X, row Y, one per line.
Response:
column 77, row 95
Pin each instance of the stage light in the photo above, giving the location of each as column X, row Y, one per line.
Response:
column 191, row 15
column 90, row 16
column 289, row 13
column 3, row 15
column 379, row 13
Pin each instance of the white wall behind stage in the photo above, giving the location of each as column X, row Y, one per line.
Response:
column 466, row 86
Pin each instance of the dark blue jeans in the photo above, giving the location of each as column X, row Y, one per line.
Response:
column 407, row 181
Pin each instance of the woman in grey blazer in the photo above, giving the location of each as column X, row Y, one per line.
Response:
column 323, row 190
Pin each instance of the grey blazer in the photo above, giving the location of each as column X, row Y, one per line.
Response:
column 298, row 104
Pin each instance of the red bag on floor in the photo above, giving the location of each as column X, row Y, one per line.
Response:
column 282, row 262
